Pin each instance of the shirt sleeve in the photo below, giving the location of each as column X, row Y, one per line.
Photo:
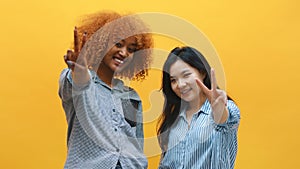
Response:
column 82, row 99
column 65, row 93
column 225, row 141
column 232, row 121
column 85, row 99
column 65, row 86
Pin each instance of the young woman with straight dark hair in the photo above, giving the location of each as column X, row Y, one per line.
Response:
column 199, row 124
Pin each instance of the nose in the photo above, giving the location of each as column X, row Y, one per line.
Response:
column 123, row 52
column 181, row 83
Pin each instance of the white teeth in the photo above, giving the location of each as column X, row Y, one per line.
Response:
column 118, row 60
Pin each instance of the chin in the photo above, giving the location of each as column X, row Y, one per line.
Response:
column 189, row 99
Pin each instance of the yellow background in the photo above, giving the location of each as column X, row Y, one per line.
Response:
column 257, row 41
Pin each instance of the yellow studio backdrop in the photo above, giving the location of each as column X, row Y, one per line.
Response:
column 257, row 42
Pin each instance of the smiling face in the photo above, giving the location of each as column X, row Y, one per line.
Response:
column 119, row 56
column 182, row 78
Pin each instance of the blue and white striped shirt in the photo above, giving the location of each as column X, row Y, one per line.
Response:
column 205, row 144
column 104, row 124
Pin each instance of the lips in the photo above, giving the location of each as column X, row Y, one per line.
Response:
column 118, row 60
column 185, row 91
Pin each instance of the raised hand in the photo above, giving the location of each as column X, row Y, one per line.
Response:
column 77, row 65
column 72, row 56
column 217, row 99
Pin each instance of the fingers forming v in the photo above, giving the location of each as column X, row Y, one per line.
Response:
column 213, row 80
column 71, row 57
column 84, row 38
column 203, row 87
column 76, row 41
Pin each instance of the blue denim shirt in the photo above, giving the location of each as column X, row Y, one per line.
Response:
column 204, row 144
column 105, row 124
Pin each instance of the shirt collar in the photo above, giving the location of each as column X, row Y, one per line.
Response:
column 118, row 85
column 205, row 109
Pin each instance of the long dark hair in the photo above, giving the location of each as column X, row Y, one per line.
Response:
column 173, row 103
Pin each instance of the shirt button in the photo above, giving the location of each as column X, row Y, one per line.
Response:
column 117, row 150
column 116, row 129
column 114, row 110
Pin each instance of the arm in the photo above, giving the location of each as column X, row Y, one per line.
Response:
column 78, row 95
column 65, row 87
column 225, row 149
column 76, row 61
column 91, row 109
column 233, row 120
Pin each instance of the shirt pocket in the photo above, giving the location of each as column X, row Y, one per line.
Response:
column 130, row 110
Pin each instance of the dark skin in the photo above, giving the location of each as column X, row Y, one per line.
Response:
column 71, row 56
column 118, row 57
column 75, row 63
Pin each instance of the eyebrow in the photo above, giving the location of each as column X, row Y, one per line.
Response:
column 122, row 40
column 134, row 44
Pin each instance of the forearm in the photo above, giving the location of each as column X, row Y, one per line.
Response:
column 80, row 76
column 221, row 116
column 231, row 117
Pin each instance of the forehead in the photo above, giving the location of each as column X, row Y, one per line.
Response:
column 130, row 40
column 179, row 67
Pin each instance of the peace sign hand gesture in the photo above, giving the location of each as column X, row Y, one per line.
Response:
column 80, row 74
column 217, row 99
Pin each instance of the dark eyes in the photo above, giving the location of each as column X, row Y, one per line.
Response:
column 118, row 44
column 186, row 74
column 129, row 49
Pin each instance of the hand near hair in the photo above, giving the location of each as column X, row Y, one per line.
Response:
column 77, row 64
column 217, row 99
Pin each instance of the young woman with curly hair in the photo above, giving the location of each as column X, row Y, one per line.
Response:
column 105, row 124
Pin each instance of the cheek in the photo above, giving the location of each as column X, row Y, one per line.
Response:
column 194, row 85
column 175, row 89
column 130, row 58
column 128, row 61
column 107, row 55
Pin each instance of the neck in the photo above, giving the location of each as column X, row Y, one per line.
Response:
column 194, row 106
column 105, row 74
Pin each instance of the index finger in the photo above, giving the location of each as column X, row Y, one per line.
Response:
column 84, row 37
column 202, row 87
column 76, row 43
column 213, row 79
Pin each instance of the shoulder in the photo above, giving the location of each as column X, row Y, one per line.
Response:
column 232, row 107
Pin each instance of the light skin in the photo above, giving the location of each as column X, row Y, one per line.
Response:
column 116, row 59
column 187, row 83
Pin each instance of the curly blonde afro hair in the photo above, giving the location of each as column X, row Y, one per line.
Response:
column 102, row 28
